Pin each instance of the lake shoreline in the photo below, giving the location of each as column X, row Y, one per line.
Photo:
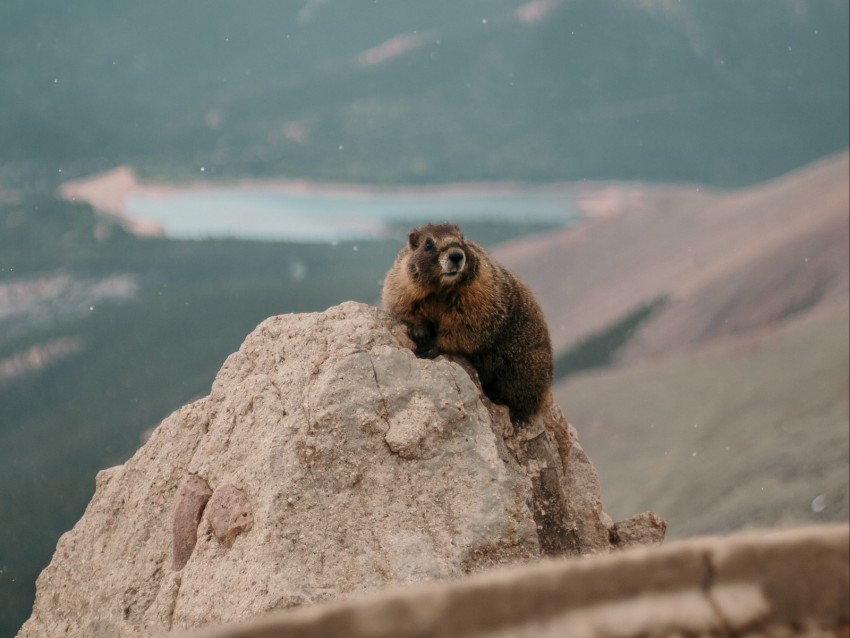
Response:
column 110, row 192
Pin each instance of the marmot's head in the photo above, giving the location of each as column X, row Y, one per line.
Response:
column 440, row 256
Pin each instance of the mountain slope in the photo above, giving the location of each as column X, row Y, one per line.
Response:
column 718, row 323
column 726, row 262
column 749, row 431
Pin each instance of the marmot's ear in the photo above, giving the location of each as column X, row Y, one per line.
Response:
column 413, row 238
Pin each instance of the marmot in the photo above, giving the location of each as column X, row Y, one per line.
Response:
column 456, row 300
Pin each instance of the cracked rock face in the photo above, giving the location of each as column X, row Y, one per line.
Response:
column 327, row 460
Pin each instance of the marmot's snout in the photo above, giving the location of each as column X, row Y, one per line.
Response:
column 452, row 262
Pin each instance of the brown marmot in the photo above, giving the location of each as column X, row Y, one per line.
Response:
column 456, row 300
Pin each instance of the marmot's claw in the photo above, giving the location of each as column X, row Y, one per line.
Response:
column 427, row 352
column 426, row 347
column 423, row 338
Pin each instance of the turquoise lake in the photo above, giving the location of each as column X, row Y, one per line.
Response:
column 274, row 215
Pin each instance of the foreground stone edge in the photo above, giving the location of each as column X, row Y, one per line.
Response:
column 756, row 583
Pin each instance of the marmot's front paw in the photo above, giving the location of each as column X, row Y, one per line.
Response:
column 427, row 350
column 423, row 337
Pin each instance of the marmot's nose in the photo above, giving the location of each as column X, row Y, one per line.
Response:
column 456, row 257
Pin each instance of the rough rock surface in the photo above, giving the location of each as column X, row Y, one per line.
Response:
column 327, row 460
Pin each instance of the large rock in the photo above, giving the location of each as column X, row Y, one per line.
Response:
column 327, row 460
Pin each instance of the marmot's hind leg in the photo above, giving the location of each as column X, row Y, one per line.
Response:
column 521, row 388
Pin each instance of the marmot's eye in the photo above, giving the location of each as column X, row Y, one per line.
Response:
column 429, row 245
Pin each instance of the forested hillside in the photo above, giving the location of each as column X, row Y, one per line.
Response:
column 728, row 92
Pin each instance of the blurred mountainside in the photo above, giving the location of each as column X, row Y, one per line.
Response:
column 728, row 93
column 710, row 263
column 704, row 347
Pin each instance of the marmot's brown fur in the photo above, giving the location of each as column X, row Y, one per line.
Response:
column 456, row 300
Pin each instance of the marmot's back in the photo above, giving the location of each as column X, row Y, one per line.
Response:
column 456, row 300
